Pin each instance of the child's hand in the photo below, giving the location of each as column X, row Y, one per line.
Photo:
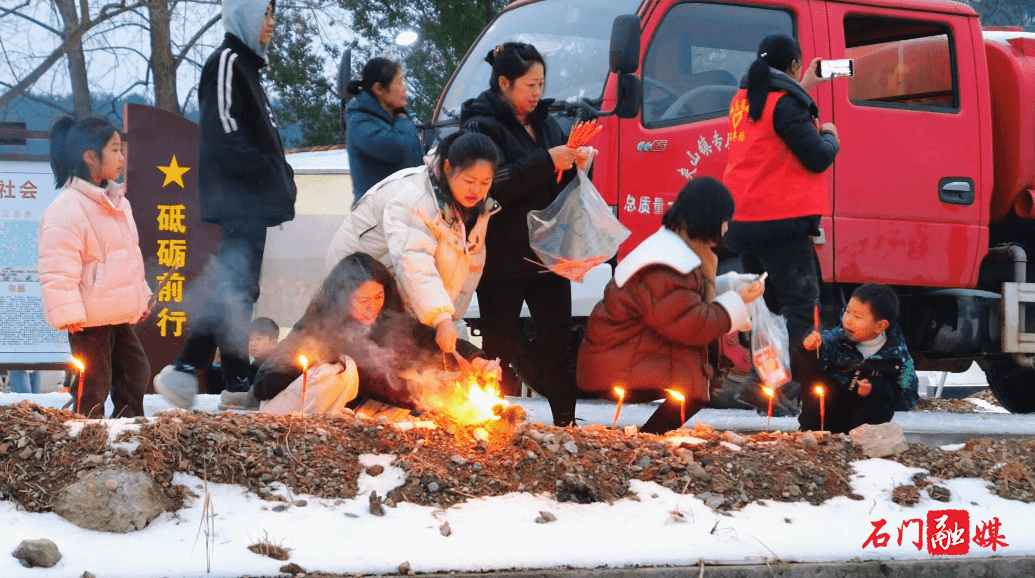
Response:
column 865, row 387
column 73, row 328
column 813, row 341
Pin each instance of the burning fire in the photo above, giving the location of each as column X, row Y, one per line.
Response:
column 483, row 400
column 78, row 363
column 768, row 391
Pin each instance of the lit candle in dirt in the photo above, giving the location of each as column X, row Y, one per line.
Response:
column 769, row 392
column 82, row 375
column 682, row 405
column 304, row 362
column 621, row 398
column 822, row 409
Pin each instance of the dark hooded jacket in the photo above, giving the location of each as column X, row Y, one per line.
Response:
column 243, row 173
column 379, row 144
column 525, row 181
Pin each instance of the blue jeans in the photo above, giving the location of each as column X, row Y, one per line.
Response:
column 24, row 381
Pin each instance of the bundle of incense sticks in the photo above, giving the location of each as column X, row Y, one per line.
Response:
column 581, row 134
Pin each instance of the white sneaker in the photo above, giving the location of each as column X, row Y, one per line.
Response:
column 177, row 387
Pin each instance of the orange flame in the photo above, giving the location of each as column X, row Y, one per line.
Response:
column 78, row 363
column 769, row 391
column 304, row 362
column 676, row 395
column 620, row 392
column 819, row 390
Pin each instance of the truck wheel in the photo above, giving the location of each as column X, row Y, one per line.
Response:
column 1013, row 386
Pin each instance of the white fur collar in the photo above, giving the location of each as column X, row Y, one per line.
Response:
column 664, row 247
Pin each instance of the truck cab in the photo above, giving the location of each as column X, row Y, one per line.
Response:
column 931, row 192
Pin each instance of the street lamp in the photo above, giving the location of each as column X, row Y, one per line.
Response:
column 406, row 38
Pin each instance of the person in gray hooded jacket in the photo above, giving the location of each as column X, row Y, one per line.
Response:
column 246, row 186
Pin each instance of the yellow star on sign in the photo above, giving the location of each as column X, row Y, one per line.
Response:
column 173, row 173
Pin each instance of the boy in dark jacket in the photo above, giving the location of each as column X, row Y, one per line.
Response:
column 864, row 366
column 246, row 186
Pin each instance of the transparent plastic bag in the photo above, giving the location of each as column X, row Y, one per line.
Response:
column 577, row 231
column 770, row 353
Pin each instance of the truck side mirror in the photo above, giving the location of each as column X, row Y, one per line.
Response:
column 625, row 44
column 627, row 103
column 344, row 76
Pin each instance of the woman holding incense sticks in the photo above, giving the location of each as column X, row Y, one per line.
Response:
column 513, row 113
column 665, row 308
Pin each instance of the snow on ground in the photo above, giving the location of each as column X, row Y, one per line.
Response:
column 501, row 533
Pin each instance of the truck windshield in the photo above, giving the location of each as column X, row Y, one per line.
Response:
column 574, row 36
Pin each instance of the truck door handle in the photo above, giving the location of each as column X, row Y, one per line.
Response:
column 956, row 191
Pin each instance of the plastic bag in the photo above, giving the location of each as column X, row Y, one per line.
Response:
column 577, row 231
column 769, row 345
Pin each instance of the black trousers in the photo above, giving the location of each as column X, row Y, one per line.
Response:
column 115, row 362
column 225, row 320
column 549, row 301
column 792, row 288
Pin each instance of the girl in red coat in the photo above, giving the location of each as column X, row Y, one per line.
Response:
column 663, row 309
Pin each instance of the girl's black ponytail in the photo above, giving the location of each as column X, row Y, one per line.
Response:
column 60, row 163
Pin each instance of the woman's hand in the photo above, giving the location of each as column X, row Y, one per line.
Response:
column 445, row 335
column 808, row 79
column 563, row 157
column 752, row 291
column 813, row 341
column 73, row 328
column 585, row 157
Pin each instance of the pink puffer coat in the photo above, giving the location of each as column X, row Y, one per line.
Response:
column 91, row 269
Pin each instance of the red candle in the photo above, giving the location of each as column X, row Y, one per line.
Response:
column 618, row 410
column 770, row 393
column 304, row 361
column 822, row 409
column 682, row 405
column 79, row 394
column 815, row 319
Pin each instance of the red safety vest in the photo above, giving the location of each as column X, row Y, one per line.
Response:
column 767, row 181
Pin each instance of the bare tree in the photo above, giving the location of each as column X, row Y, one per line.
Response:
column 69, row 26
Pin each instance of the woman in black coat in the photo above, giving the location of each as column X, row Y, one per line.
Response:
column 514, row 115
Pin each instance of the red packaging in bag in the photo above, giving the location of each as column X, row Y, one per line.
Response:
column 772, row 372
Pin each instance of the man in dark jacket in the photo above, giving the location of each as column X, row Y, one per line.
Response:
column 246, row 187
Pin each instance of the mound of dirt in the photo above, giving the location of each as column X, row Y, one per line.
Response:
column 446, row 462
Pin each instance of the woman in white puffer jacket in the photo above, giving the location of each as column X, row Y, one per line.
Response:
column 427, row 225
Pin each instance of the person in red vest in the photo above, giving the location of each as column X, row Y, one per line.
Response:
column 776, row 157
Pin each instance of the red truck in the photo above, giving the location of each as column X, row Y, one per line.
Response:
column 932, row 192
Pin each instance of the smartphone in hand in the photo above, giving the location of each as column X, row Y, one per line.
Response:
column 835, row 68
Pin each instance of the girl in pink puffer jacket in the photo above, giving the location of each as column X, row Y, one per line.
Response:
column 91, row 268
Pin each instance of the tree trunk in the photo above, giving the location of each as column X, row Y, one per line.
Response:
column 163, row 65
column 73, row 43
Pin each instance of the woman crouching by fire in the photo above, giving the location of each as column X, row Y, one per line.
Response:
column 356, row 339
column 664, row 308
column 427, row 225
